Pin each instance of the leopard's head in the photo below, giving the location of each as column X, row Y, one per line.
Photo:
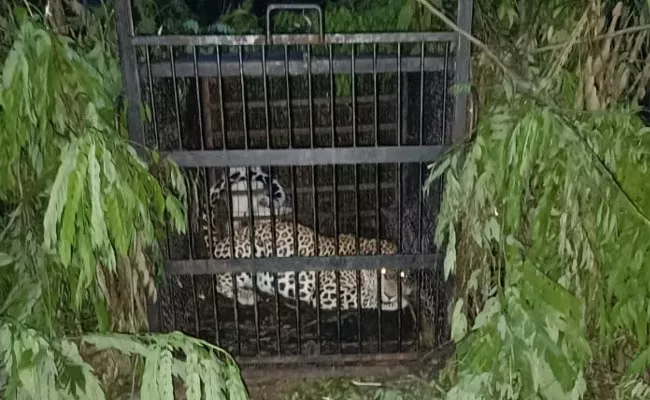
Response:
column 391, row 280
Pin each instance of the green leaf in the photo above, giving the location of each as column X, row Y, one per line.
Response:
column 458, row 322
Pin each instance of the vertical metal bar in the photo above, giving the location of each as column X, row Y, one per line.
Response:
column 152, row 98
column 359, row 341
column 337, row 275
column 208, row 209
column 198, row 96
column 253, row 243
column 378, row 248
column 229, row 206
column 399, row 250
column 235, row 310
column 314, row 193
column 332, row 95
column 354, row 101
column 374, row 91
column 356, row 208
column 266, row 103
column 399, row 94
column 418, row 313
column 222, row 111
column 274, row 249
column 196, row 307
column 172, row 65
column 172, row 287
column 399, row 310
column 379, row 313
column 131, row 87
column 286, row 77
column 233, row 254
column 294, row 195
column 298, row 319
column 278, row 329
column 215, row 308
column 129, row 69
column 464, row 22
column 256, row 312
column 422, row 94
column 444, row 99
column 243, row 98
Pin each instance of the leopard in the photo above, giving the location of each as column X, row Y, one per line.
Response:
column 327, row 279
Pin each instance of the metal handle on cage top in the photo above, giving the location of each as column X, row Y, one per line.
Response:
column 296, row 7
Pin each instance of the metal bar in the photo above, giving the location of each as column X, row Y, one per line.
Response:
column 285, row 7
column 278, row 328
column 172, row 287
column 177, row 107
column 359, row 341
column 281, row 264
column 302, row 157
column 337, row 275
column 332, row 97
column 330, row 359
column 321, row 101
column 266, row 104
column 243, row 100
column 260, row 133
column 333, row 38
column 134, row 123
column 129, row 69
column 152, row 98
column 444, row 98
column 235, row 307
column 196, row 307
column 286, row 78
column 378, row 248
column 222, row 112
column 354, row 103
column 199, row 107
column 375, row 97
column 422, row 93
column 215, row 308
column 298, row 319
column 253, row 243
column 319, row 65
column 462, row 65
column 399, row 311
column 399, row 94
column 256, row 313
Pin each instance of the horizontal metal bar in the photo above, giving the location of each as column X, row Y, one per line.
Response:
column 297, row 132
column 279, row 39
column 330, row 359
column 318, row 101
column 299, row 157
column 283, row 264
column 208, row 66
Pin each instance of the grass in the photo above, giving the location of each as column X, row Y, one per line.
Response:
column 410, row 387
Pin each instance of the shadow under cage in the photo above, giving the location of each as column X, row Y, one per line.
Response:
column 310, row 238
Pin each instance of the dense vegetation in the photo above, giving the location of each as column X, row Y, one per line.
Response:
column 82, row 211
column 545, row 216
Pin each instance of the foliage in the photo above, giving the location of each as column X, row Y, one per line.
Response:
column 544, row 217
column 82, row 212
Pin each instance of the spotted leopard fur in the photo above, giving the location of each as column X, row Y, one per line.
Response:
column 284, row 235
column 261, row 184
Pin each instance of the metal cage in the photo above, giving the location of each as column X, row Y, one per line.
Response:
column 328, row 135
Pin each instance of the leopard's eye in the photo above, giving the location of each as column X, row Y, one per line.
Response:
column 383, row 271
column 402, row 274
